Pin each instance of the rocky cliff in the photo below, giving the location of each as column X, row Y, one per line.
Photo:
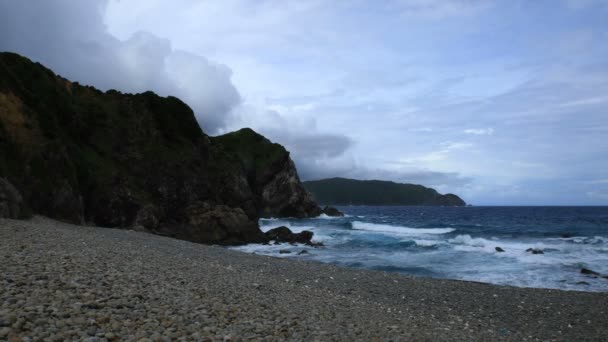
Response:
column 77, row 154
column 271, row 173
column 343, row 191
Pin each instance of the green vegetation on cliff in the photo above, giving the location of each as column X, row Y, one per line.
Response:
column 343, row 191
column 254, row 151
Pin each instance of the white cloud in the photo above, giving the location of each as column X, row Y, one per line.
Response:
column 598, row 195
column 480, row 131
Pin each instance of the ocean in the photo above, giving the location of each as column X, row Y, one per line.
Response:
column 460, row 243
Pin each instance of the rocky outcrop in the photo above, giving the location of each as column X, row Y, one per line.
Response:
column 219, row 224
column 447, row 200
column 284, row 234
column 535, row 251
column 589, row 272
column 271, row 174
column 80, row 155
column 11, row 202
column 331, row 211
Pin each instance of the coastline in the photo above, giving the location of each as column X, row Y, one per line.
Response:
column 73, row 283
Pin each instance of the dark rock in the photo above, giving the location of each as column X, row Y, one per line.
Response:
column 271, row 173
column 315, row 244
column 11, row 202
column 284, row 234
column 284, row 251
column 589, row 272
column 303, row 252
column 498, row 249
column 148, row 218
column 535, row 251
column 331, row 211
column 582, row 283
column 219, row 224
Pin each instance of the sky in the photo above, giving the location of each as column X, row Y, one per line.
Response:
column 500, row 102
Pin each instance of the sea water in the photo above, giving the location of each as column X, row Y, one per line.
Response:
column 460, row 243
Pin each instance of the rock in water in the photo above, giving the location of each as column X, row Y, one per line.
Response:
column 284, row 251
column 535, row 251
column 589, row 272
column 284, row 234
column 331, row 211
column 498, row 249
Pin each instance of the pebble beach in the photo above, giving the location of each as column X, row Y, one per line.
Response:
column 61, row 282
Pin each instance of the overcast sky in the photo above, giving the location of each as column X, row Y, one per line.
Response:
column 501, row 102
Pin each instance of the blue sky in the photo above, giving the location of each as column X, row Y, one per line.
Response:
column 501, row 102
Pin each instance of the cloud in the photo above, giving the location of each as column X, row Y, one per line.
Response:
column 71, row 38
column 480, row 131
column 598, row 195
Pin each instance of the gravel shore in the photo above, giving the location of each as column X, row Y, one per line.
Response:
column 61, row 282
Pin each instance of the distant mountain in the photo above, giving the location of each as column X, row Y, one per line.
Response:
column 343, row 191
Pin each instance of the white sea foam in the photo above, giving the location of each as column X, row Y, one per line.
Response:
column 467, row 240
column 426, row 243
column 385, row 228
column 327, row 217
column 596, row 240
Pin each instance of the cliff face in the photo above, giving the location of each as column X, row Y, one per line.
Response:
column 120, row 160
column 342, row 191
column 272, row 174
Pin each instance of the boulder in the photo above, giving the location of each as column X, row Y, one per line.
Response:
column 499, row 250
column 284, row 234
column 331, row 211
column 147, row 218
column 284, row 251
column 302, row 252
column 589, row 272
column 535, row 251
column 11, row 202
column 219, row 224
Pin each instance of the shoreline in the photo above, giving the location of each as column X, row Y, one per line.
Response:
column 76, row 282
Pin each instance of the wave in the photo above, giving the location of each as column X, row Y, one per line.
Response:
column 596, row 240
column 385, row 228
column 467, row 240
column 327, row 217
